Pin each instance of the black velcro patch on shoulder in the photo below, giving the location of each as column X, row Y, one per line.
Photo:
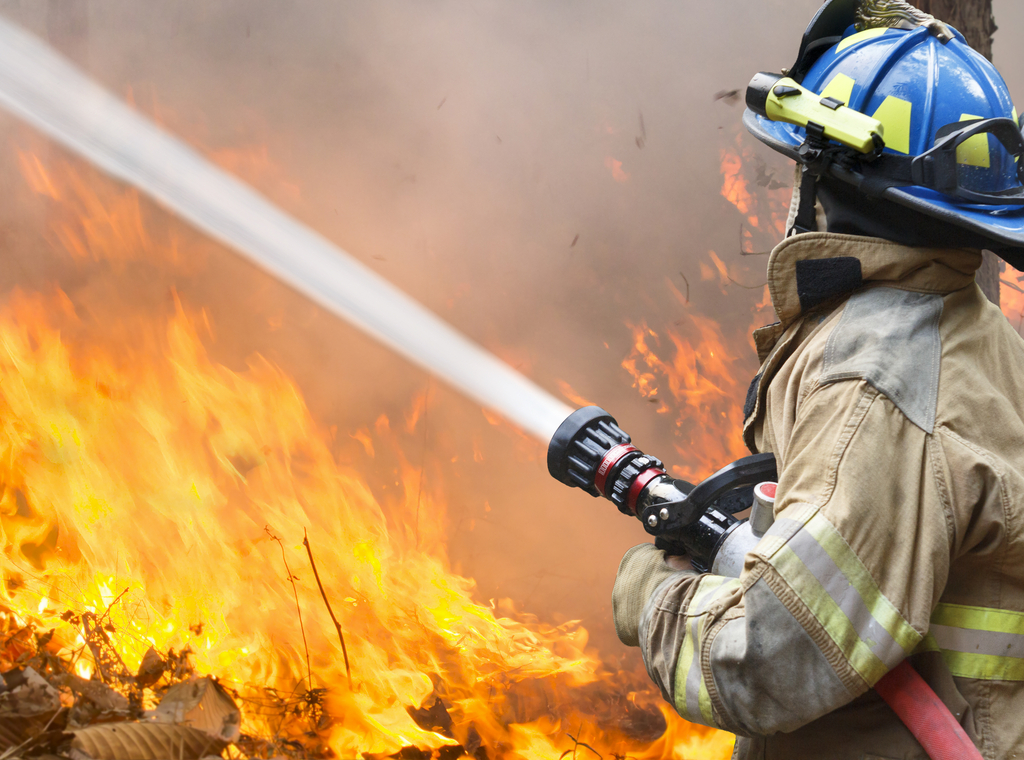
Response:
column 818, row 280
column 751, row 402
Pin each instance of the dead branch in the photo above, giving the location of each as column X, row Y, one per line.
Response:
column 337, row 625
column 298, row 609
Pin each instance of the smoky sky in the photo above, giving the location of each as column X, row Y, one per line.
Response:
column 530, row 170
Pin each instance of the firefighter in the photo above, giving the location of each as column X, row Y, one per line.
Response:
column 891, row 392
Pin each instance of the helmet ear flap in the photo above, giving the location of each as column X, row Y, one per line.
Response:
column 825, row 30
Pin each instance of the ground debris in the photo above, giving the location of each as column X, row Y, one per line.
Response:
column 27, row 694
column 143, row 741
column 69, row 695
column 204, row 704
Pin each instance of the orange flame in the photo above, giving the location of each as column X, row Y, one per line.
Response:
column 703, row 392
column 1011, row 296
column 755, row 193
column 143, row 479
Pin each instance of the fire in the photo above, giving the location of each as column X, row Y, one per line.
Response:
column 1011, row 296
column 690, row 369
column 760, row 196
column 168, row 496
column 704, row 388
column 615, row 167
column 734, row 184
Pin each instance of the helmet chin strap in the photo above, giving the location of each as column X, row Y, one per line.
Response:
column 803, row 212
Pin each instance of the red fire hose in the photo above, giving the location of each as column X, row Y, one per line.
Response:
column 927, row 717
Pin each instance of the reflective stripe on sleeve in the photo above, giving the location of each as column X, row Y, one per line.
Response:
column 692, row 700
column 978, row 642
column 822, row 569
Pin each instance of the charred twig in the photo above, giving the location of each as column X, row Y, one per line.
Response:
column 744, row 252
column 731, row 97
column 108, row 662
column 1009, row 284
column 298, row 609
column 419, row 486
column 687, row 287
column 323, row 593
column 745, row 287
column 576, row 744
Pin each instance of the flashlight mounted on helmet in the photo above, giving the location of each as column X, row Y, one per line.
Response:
column 780, row 98
column 590, row 451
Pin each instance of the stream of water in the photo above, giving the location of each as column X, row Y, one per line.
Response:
column 47, row 91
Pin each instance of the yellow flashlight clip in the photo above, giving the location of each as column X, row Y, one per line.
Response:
column 828, row 118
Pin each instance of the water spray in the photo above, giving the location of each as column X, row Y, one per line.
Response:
column 50, row 93
column 587, row 449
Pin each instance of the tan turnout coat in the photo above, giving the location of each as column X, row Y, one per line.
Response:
column 896, row 414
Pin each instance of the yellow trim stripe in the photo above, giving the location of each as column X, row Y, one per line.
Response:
column 967, row 638
column 853, row 39
column 884, row 611
column 840, row 88
column 830, row 579
column 979, row 618
column 831, row 617
column 895, row 113
column 684, row 665
column 975, row 151
column 690, row 692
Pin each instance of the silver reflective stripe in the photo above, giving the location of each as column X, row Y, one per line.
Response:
column 971, row 641
column 847, row 598
column 784, row 528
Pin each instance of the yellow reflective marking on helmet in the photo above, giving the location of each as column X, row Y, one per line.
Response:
column 853, row 39
column 840, row 88
column 1016, row 159
column 974, row 152
column 895, row 113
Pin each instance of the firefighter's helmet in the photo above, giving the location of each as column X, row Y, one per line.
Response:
column 896, row 103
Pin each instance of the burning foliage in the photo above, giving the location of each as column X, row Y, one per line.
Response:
column 193, row 566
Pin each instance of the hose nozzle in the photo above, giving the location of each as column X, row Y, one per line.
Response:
column 590, row 451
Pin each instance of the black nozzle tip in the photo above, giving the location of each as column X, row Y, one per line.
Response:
column 759, row 89
column 575, row 424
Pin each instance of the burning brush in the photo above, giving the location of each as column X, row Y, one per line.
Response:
column 139, row 477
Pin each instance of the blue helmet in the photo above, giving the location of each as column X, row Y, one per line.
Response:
column 952, row 148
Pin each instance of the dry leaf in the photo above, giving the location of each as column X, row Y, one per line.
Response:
column 102, row 696
column 12, row 732
column 17, row 731
column 144, row 741
column 29, row 694
column 204, row 704
column 151, row 668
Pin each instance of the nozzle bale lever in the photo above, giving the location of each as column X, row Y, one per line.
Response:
column 590, row 451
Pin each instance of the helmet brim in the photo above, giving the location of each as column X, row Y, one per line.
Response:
column 1003, row 225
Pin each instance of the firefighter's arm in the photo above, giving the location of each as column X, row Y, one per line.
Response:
column 837, row 593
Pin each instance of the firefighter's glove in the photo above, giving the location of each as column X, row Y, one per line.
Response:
column 641, row 571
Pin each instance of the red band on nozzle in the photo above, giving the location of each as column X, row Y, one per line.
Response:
column 608, row 464
column 639, row 485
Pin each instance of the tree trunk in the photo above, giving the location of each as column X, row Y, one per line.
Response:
column 973, row 18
